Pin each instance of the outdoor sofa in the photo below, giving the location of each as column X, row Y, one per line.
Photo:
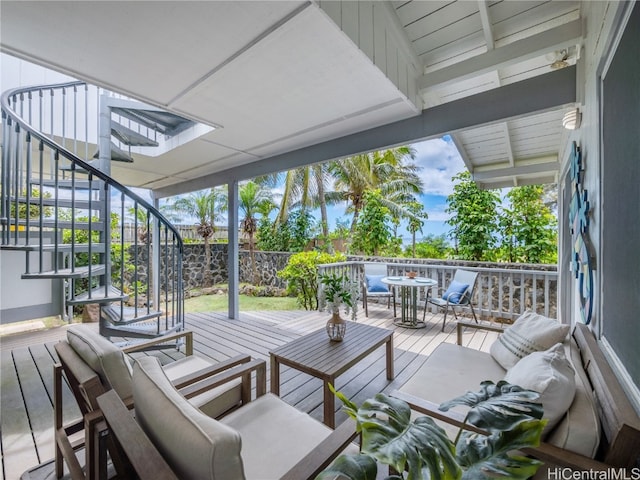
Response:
column 595, row 427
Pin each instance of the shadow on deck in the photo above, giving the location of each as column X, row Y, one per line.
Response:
column 27, row 437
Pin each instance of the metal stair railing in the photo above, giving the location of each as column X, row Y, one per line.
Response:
column 60, row 209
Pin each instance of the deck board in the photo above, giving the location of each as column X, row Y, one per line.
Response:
column 38, row 403
column 27, row 369
column 18, row 448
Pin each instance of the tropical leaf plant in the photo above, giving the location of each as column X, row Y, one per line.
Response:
column 419, row 449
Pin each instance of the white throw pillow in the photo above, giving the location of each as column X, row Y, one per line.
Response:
column 529, row 333
column 551, row 375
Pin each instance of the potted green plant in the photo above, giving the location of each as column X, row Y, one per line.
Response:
column 336, row 291
column 506, row 414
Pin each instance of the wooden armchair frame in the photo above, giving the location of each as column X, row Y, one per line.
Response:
column 86, row 387
column 147, row 462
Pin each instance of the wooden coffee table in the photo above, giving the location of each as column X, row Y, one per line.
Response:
column 316, row 355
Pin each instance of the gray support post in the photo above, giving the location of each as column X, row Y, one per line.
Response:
column 233, row 264
column 104, row 135
column 154, row 278
column 104, row 165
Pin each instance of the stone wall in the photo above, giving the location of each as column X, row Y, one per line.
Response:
column 193, row 261
column 490, row 297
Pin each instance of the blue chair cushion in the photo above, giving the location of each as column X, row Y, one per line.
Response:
column 375, row 285
column 454, row 292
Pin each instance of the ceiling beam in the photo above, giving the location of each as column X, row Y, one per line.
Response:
column 462, row 151
column 516, row 52
column 517, row 182
column 537, row 94
column 507, row 141
column 486, row 24
column 547, row 167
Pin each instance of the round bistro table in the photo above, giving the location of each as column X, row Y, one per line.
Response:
column 409, row 288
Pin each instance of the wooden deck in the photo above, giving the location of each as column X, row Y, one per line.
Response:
column 27, row 373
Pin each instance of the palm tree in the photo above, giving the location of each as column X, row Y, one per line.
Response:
column 416, row 222
column 206, row 206
column 386, row 170
column 253, row 199
column 304, row 187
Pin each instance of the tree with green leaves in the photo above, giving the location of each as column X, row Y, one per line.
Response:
column 301, row 274
column 373, row 231
column 474, row 217
column 254, row 199
column 290, row 236
column 528, row 226
column 34, row 206
column 415, row 222
column 391, row 171
column 431, row 246
column 304, row 188
column 206, row 206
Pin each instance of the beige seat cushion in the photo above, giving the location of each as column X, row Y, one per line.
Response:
column 450, row 371
column 275, row 436
column 107, row 360
column 195, row 445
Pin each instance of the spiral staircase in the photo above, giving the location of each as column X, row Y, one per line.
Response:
column 60, row 206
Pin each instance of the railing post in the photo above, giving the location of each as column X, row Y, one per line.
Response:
column 154, row 276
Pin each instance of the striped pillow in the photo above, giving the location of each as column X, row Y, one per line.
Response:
column 529, row 333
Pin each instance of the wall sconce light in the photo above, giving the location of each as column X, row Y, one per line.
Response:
column 572, row 119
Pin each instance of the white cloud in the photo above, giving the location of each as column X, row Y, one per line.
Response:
column 437, row 213
column 440, row 161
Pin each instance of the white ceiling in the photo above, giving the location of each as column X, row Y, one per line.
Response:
column 276, row 77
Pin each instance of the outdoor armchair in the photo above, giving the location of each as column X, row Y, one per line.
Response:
column 459, row 293
column 372, row 286
column 277, row 440
column 93, row 365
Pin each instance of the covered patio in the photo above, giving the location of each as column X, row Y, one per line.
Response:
column 27, row 370
column 306, row 82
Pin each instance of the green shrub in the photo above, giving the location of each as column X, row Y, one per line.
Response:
column 301, row 274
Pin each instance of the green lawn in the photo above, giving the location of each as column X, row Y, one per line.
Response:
column 219, row 303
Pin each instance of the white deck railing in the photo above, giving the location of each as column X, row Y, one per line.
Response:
column 499, row 292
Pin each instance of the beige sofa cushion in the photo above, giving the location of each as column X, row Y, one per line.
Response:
column 551, row 375
column 450, row 371
column 529, row 333
column 107, row 360
column 195, row 445
column 275, row 436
